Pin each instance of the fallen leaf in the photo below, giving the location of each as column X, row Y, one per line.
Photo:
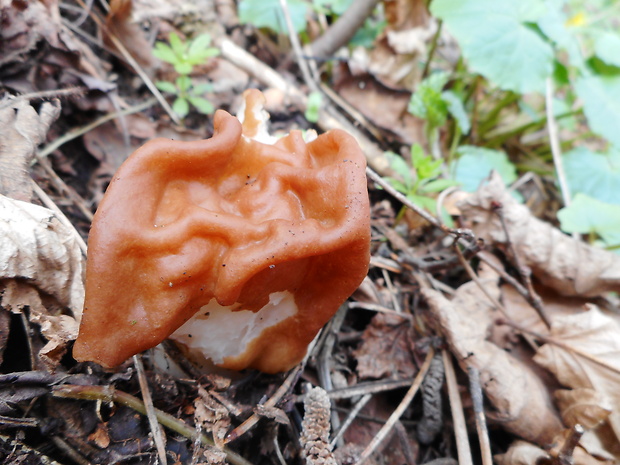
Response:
column 583, row 406
column 589, row 334
column 569, row 266
column 465, row 322
column 23, row 129
column 386, row 349
column 521, row 453
column 212, row 415
column 36, row 247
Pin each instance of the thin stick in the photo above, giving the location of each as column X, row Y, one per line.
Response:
column 481, row 424
column 44, row 94
column 110, row 394
column 75, row 133
column 158, row 435
column 49, row 203
column 349, row 420
column 554, row 140
column 395, row 416
column 456, row 406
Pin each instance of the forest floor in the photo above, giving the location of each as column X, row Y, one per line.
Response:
column 491, row 337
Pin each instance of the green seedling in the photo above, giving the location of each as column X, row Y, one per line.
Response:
column 184, row 56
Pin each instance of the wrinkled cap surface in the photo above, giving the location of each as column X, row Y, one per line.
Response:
column 238, row 249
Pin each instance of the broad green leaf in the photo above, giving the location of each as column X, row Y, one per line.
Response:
column 587, row 215
column 607, row 48
column 556, row 26
column 396, row 184
column 202, row 105
column 593, row 174
column 475, row 164
column 601, row 104
column 498, row 42
column 181, row 107
column 457, row 110
column 183, row 67
column 268, row 13
column 166, row 86
column 165, row 53
column 315, row 99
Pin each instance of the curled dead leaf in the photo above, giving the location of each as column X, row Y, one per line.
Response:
column 570, row 267
column 521, row 401
column 583, row 406
column 521, row 453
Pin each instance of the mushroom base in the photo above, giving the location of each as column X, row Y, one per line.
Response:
column 224, row 334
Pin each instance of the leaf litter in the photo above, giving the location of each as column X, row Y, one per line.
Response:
column 535, row 393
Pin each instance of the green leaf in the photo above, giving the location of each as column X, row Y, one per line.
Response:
column 183, row 68
column 427, row 102
column 183, row 83
column 399, row 186
column 586, row 215
column 315, row 99
column 268, row 13
column 607, row 47
column 202, row 105
column 594, row 174
column 198, row 45
column 457, row 110
column 400, row 167
column 181, row 107
column 335, row 6
column 475, row 164
column 498, row 42
column 178, row 46
column 164, row 53
column 438, row 185
column 166, row 86
column 202, row 88
column 425, row 166
column 601, row 105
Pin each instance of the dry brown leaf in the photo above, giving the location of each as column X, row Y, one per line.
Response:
column 596, row 335
column 522, row 402
column 583, row 406
column 521, row 453
column 212, row 415
column 570, row 267
column 386, row 349
column 36, row 247
column 23, row 129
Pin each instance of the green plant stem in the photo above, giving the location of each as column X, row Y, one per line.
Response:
column 110, row 394
column 431, row 51
column 490, row 120
column 456, row 138
column 499, row 139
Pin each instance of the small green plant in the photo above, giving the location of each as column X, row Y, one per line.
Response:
column 184, row 56
column 420, row 180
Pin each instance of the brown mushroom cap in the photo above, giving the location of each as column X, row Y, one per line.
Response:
column 241, row 249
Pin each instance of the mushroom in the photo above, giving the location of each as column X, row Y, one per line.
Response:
column 236, row 249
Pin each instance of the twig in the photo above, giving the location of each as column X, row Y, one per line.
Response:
column 158, row 435
column 364, row 388
column 554, row 141
column 301, row 61
column 49, row 203
column 44, row 94
column 524, row 271
column 288, row 383
column 75, row 133
column 110, row 394
column 357, row 408
column 456, row 406
column 481, row 424
column 343, row 29
column 565, row 457
column 396, row 414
